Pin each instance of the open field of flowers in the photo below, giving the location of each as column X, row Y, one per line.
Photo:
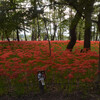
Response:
column 20, row 62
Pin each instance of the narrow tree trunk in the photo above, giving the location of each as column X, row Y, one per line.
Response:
column 50, row 30
column 80, row 26
column 55, row 26
column 24, row 32
column 70, row 16
column 2, row 36
column 25, row 35
column 33, row 31
column 94, row 34
column 13, row 36
column 60, row 37
column 7, row 36
column 32, row 37
column 73, row 31
column 55, row 29
column 34, row 22
column 97, row 34
column 38, row 28
column 79, row 36
column 18, row 35
column 48, row 38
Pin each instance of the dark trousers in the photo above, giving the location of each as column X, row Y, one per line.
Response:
column 41, row 87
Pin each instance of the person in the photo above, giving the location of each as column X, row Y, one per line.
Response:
column 41, row 78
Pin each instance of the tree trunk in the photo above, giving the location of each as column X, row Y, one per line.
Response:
column 97, row 34
column 79, row 36
column 73, row 31
column 99, row 23
column 48, row 38
column 55, row 26
column 87, row 35
column 32, row 37
column 94, row 33
column 13, row 36
column 60, row 35
column 33, row 30
column 25, row 35
column 18, row 35
column 55, row 29
column 50, row 31
column 38, row 28
column 24, row 32
column 2, row 37
column 7, row 36
column 98, row 78
column 88, row 23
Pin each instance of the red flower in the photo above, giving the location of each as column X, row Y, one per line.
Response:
column 70, row 76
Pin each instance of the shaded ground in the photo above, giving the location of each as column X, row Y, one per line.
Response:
column 53, row 96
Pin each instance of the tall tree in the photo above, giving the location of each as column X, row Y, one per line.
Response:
column 88, row 23
column 79, row 7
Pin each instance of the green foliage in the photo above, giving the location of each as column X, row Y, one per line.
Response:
column 13, row 15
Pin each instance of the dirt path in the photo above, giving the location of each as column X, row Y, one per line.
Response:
column 52, row 96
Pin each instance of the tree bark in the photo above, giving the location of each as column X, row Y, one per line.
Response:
column 79, row 36
column 55, row 26
column 18, row 35
column 7, row 36
column 48, row 37
column 13, row 36
column 98, row 78
column 24, row 32
column 60, row 35
column 73, row 31
column 25, row 35
column 88, row 24
column 87, row 35
column 32, row 37
column 99, row 23
column 2, row 37
column 38, row 28
column 97, row 34
column 55, row 29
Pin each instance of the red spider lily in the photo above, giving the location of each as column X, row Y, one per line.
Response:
column 87, row 80
column 29, row 57
column 70, row 76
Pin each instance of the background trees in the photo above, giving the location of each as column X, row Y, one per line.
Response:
column 66, row 19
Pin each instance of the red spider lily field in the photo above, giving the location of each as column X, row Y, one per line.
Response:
column 20, row 62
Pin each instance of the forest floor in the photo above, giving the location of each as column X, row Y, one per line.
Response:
column 53, row 96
